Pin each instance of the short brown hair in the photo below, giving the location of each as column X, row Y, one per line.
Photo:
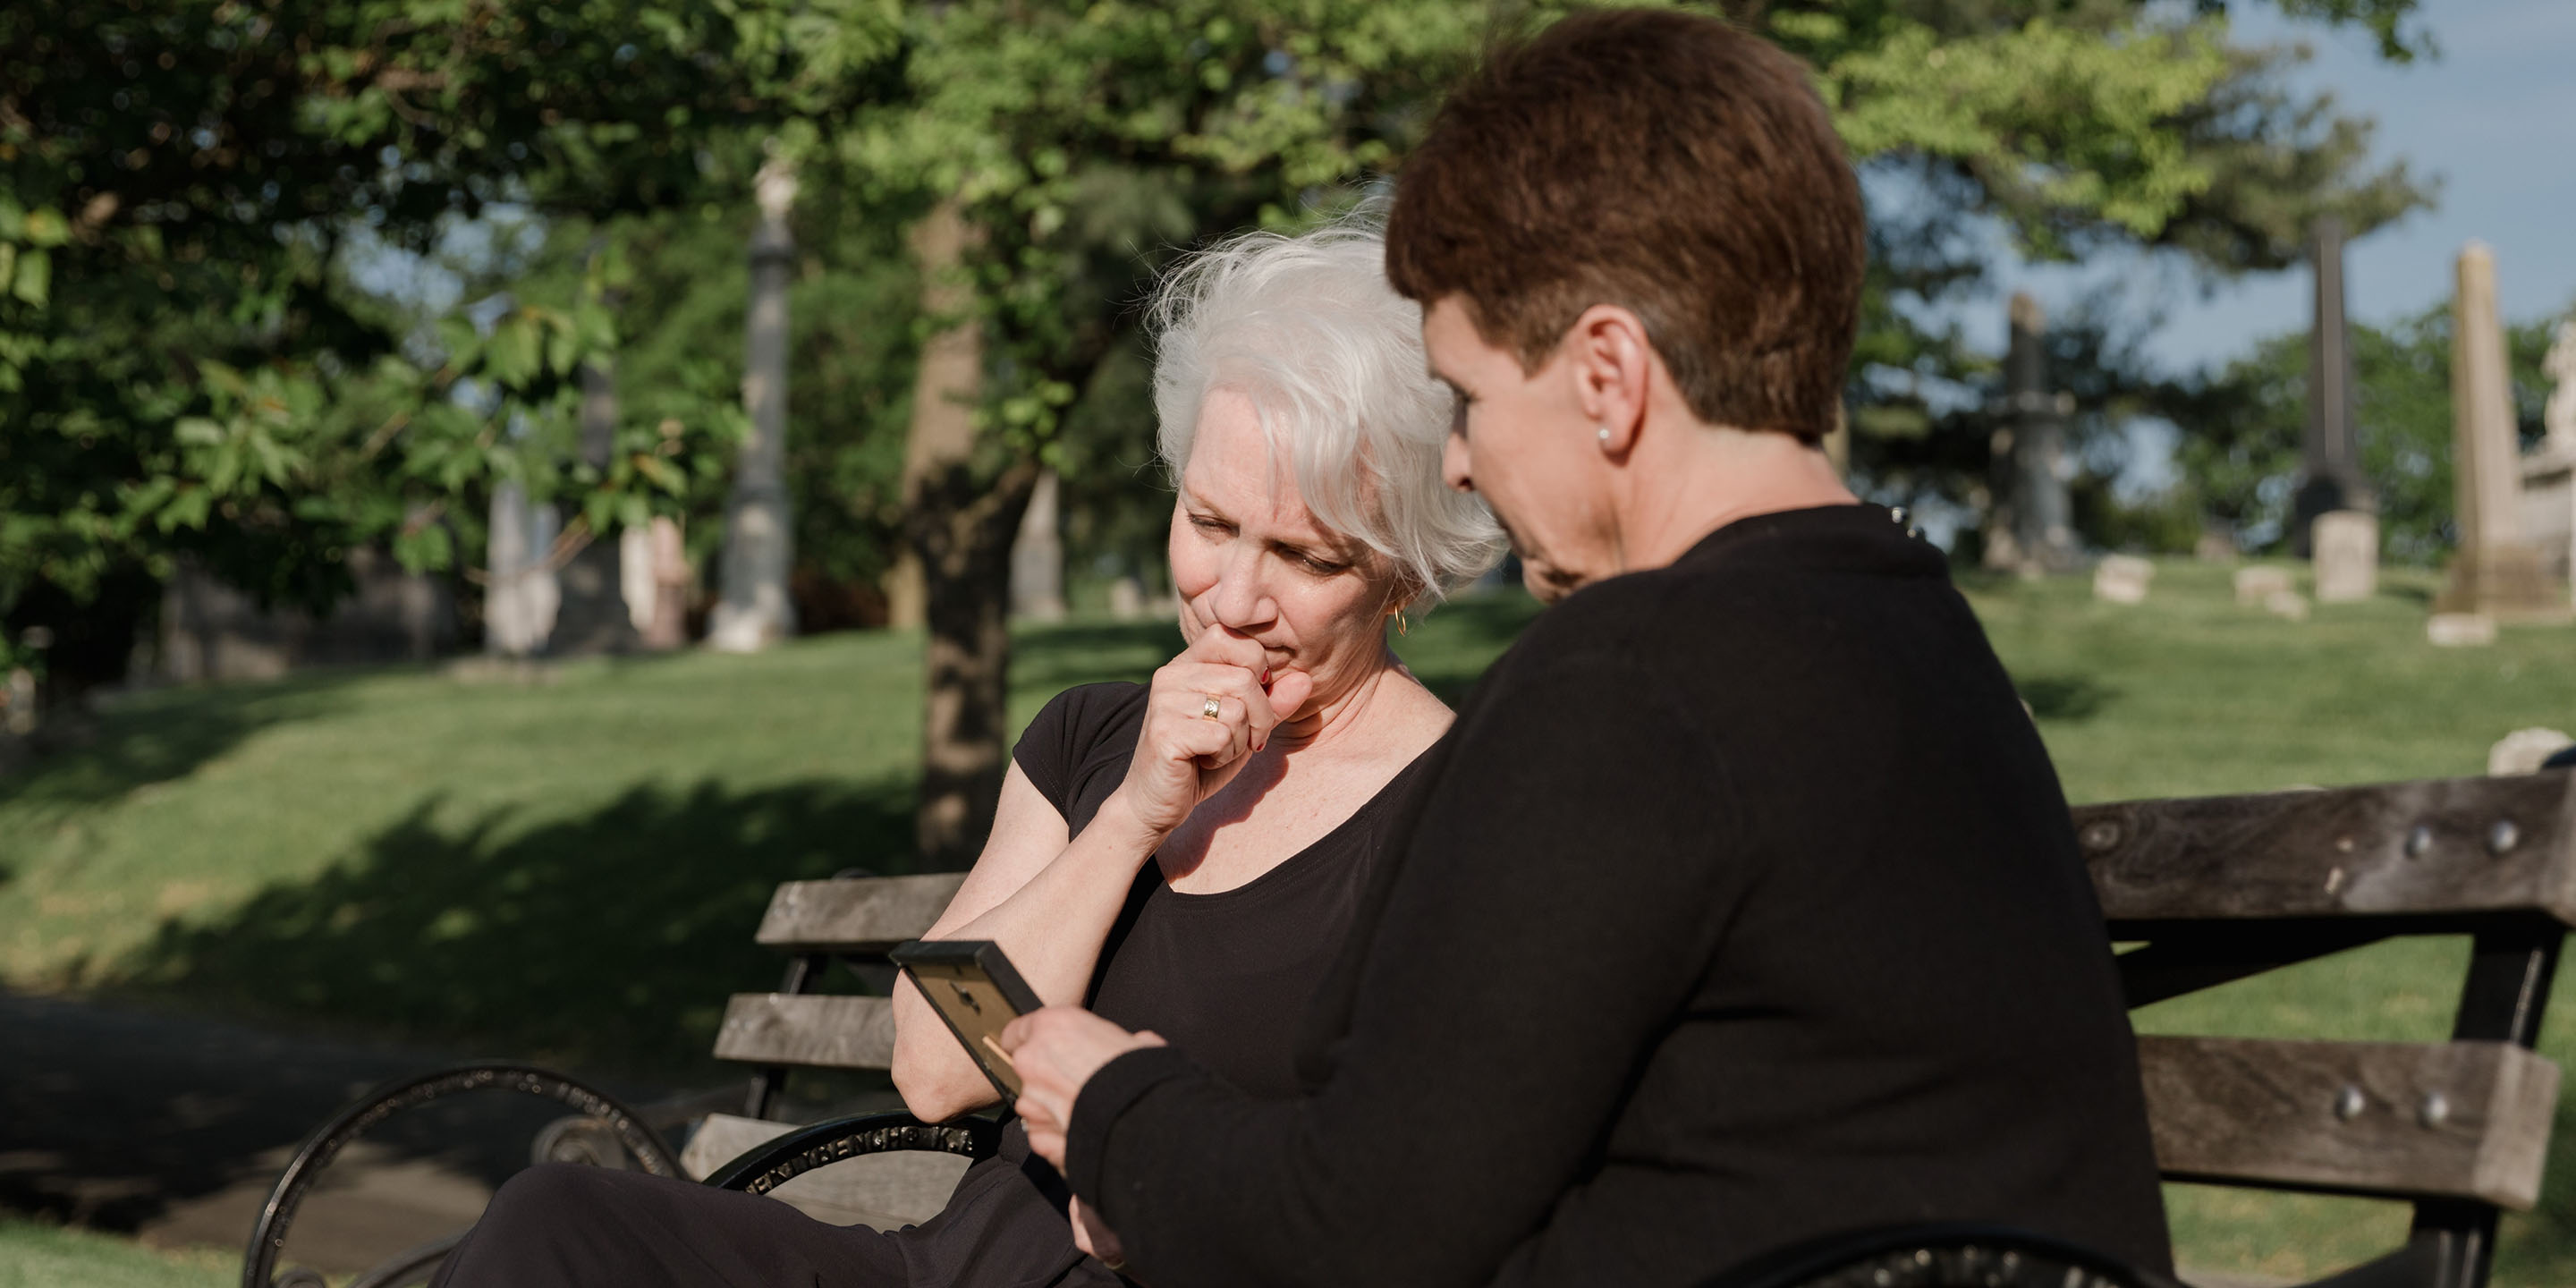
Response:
column 1663, row 162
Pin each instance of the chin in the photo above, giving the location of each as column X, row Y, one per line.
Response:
column 1547, row 583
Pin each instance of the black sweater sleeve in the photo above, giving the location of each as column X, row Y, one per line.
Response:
column 1548, row 920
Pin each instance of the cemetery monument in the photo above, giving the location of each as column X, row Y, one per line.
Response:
column 2494, row 572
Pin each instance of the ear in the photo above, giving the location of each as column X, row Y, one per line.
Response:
column 1612, row 364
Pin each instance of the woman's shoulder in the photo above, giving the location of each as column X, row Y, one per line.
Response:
column 1092, row 708
column 1077, row 728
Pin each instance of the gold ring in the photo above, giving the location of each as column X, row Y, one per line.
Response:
column 1213, row 708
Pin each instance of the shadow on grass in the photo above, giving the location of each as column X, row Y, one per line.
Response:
column 609, row 939
column 154, row 737
column 2064, row 697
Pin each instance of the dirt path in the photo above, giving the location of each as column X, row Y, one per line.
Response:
column 173, row 1128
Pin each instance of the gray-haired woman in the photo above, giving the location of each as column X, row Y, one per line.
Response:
column 1183, row 856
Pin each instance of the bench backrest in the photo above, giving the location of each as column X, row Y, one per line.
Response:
column 2214, row 889
column 2221, row 888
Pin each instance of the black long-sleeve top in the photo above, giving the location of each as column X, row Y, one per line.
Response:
column 1740, row 906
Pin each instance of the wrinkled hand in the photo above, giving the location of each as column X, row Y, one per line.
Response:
column 1183, row 755
column 1094, row 1236
column 1056, row 1050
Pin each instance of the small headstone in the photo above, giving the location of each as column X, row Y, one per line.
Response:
column 18, row 702
column 1127, row 598
column 2257, row 585
column 2122, row 579
column 2288, row 604
column 2346, row 543
column 2214, row 546
column 2521, row 751
column 2460, row 630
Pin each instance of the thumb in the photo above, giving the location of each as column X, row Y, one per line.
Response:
column 1289, row 691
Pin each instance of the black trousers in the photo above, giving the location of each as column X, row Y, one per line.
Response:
column 565, row 1226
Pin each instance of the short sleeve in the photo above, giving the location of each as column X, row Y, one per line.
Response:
column 1065, row 734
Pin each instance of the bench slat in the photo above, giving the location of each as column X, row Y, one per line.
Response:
column 2352, row 1117
column 885, row 1191
column 814, row 1032
column 856, row 915
column 2444, row 846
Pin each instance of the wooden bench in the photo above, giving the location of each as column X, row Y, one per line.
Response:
column 851, row 922
column 2221, row 888
column 2211, row 890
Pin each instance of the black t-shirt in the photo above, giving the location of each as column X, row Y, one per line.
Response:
column 1222, row 974
column 1739, row 906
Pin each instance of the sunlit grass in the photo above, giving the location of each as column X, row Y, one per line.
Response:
column 34, row 1255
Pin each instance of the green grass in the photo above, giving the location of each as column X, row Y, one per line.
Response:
column 33, row 1255
column 569, row 870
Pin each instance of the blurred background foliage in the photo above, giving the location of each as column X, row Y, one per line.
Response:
column 287, row 280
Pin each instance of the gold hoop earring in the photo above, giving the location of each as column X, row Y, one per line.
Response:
column 1402, row 627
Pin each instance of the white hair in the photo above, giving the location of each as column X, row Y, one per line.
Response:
column 1331, row 358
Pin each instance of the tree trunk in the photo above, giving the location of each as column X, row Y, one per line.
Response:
column 960, row 525
column 753, row 611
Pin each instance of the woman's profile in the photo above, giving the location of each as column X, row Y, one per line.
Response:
column 1183, row 855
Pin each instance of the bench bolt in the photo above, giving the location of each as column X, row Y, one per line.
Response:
column 2349, row 1103
column 2419, row 838
column 2435, row 1110
column 2503, row 836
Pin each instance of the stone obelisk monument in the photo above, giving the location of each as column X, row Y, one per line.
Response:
column 2331, row 477
column 2494, row 571
column 2042, row 521
column 753, row 611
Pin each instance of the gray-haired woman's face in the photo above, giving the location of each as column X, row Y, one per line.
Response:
column 1248, row 558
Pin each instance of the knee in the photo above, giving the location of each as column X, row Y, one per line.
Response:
column 549, row 1195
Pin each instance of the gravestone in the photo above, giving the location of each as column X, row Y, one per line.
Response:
column 659, row 597
column 1037, row 558
column 1127, row 598
column 2521, row 751
column 2331, row 477
column 519, row 593
column 2494, row 572
column 2038, row 515
column 2460, row 630
column 2122, row 579
column 753, row 610
column 2549, row 472
column 591, row 616
column 2259, row 583
column 2289, row 605
column 2346, row 555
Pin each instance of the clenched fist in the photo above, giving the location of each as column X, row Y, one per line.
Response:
column 1208, row 710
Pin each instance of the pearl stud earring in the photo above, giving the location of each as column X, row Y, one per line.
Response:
column 1605, row 433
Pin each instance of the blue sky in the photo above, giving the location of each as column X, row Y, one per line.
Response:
column 2493, row 116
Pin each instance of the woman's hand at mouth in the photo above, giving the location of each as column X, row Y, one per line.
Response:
column 1208, row 710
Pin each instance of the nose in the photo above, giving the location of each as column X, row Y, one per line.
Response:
column 1453, row 464
column 1241, row 599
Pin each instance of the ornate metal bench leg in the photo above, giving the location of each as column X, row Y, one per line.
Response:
column 604, row 1126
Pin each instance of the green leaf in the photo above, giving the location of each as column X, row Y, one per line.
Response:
column 34, row 277
column 46, row 226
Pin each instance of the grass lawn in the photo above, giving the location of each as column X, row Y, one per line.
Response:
column 570, row 869
column 51, row 1256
